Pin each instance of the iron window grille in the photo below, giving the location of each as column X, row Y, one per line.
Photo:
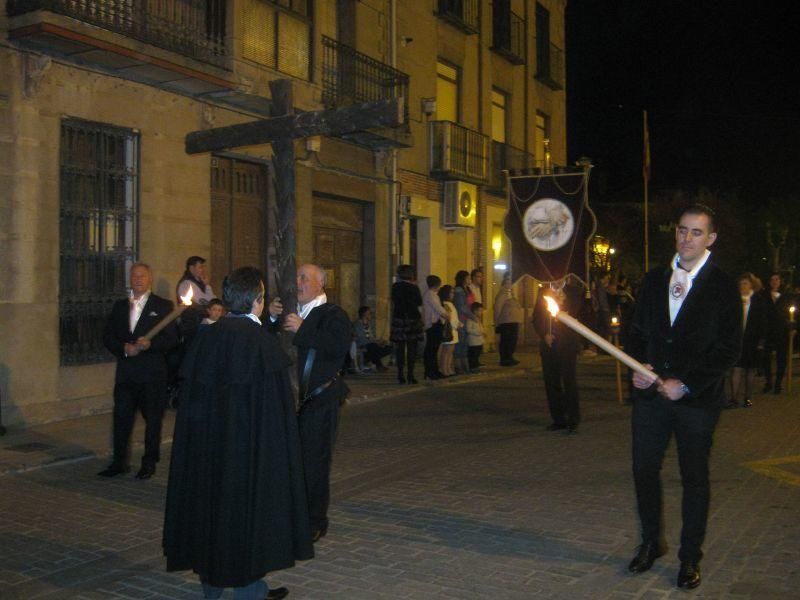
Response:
column 464, row 14
column 508, row 32
column 99, row 187
column 457, row 151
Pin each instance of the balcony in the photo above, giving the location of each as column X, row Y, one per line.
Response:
column 549, row 65
column 506, row 157
column 351, row 77
column 463, row 14
column 458, row 153
column 508, row 33
column 176, row 44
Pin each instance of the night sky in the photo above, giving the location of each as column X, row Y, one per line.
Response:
column 720, row 81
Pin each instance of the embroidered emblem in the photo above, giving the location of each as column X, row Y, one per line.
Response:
column 676, row 290
column 153, row 314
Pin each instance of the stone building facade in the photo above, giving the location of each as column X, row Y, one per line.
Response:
column 96, row 100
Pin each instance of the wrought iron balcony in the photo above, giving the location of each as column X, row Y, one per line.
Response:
column 464, row 14
column 351, row 77
column 549, row 65
column 508, row 32
column 458, row 153
column 506, row 157
column 193, row 28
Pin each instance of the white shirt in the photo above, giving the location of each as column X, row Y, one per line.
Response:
column 746, row 308
column 136, row 307
column 303, row 310
column 198, row 295
column 680, row 283
column 476, row 293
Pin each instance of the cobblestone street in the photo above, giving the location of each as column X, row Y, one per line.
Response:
column 454, row 491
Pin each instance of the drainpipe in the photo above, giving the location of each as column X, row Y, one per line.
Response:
column 395, row 231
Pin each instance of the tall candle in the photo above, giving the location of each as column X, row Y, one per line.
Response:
column 600, row 342
column 186, row 301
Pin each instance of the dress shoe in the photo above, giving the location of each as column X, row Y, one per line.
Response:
column 277, row 594
column 113, row 470
column 689, row 575
column 555, row 427
column 646, row 555
column 730, row 405
column 318, row 533
column 146, row 472
column 747, row 403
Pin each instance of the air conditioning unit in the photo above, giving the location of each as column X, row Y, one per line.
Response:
column 460, row 204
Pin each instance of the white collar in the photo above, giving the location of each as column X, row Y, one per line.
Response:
column 142, row 300
column 700, row 263
column 303, row 310
column 253, row 318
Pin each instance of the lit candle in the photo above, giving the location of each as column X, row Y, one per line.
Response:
column 186, row 301
column 791, row 314
column 602, row 343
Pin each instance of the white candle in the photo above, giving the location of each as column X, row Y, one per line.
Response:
column 186, row 301
column 590, row 335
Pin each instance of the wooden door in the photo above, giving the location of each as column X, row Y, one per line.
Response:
column 238, row 218
column 338, row 248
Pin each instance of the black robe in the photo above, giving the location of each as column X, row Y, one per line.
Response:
column 236, row 503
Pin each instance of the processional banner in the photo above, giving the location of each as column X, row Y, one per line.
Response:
column 549, row 224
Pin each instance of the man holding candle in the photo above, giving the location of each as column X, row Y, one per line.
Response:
column 141, row 378
column 687, row 328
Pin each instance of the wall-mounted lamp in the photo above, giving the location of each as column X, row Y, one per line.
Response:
column 428, row 106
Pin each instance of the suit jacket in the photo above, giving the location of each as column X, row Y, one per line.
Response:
column 565, row 342
column 702, row 344
column 148, row 366
column 778, row 325
column 755, row 331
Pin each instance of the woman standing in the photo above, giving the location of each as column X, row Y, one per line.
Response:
column 407, row 330
column 447, row 346
column 507, row 317
column 462, row 300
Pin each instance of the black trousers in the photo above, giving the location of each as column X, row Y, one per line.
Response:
column 780, row 344
column 654, row 422
column 560, row 385
column 433, row 339
column 149, row 399
column 508, row 332
column 374, row 353
column 474, row 356
column 318, row 421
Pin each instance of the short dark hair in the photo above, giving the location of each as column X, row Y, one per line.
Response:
column 405, row 272
column 475, row 272
column 193, row 260
column 444, row 292
column 362, row 310
column 475, row 306
column 242, row 288
column 433, row 281
column 701, row 209
column 461, row 278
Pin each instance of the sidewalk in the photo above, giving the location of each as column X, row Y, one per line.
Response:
column 88, row 437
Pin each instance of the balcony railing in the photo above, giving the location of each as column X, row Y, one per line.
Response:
column 550, row 65
column 509, row 158
column 464, row 14
column 194, row 28
column 508, row 33
column 350, row 77
column 458, row 152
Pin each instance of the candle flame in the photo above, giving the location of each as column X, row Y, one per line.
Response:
column 614, row 320
column 187, row 299
column 791, row 309
column 552, row 306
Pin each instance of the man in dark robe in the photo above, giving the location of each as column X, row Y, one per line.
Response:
column 236, row 502
column 322, row 336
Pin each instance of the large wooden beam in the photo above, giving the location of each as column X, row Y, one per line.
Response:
column 358, row 117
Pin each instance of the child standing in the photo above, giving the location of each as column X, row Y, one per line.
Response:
column 448, row 346
column 475, row 337
column 215, row 310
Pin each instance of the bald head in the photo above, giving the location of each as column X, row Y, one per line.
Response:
column 310, row 282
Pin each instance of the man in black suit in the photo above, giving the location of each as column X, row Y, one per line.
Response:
column 687, row 327
column 141, row 379
column 322, row 336
column 778, row 300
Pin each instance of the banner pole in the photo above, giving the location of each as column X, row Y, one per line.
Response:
column 646, row 178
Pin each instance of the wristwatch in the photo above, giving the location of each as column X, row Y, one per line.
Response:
column 685, row 389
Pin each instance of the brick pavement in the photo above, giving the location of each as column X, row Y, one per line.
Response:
column 452, row 492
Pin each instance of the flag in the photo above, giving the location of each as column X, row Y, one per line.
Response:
column 549, row 223
column 646, row 149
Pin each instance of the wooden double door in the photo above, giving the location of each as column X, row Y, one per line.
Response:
column 338, row 229
column 238, row 217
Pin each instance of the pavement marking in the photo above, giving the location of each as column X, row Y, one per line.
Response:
column 771, row 467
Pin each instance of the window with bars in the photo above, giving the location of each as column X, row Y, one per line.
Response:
column 276, row 38
column 99, row 188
